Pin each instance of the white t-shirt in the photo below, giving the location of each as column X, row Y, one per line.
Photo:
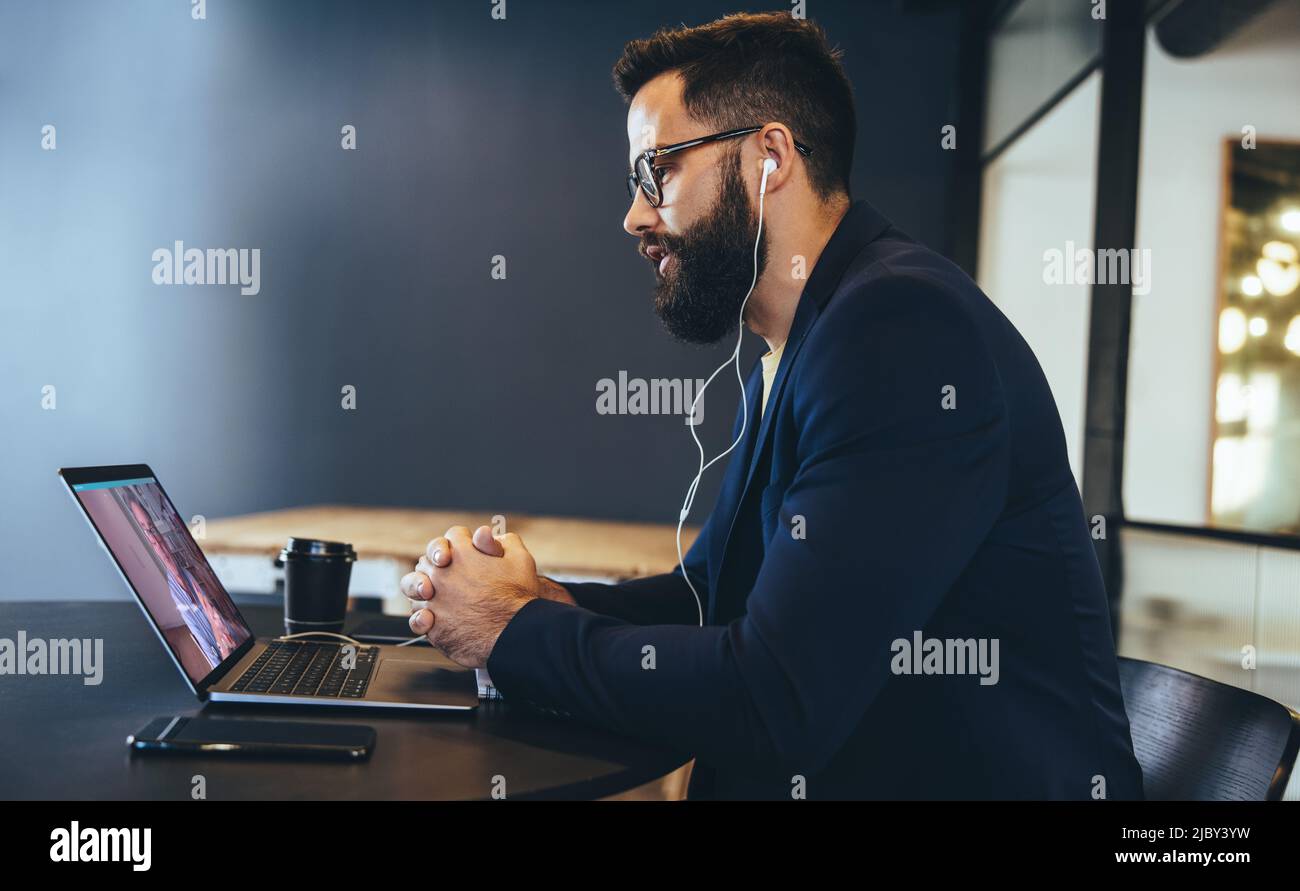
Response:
column 770, row 363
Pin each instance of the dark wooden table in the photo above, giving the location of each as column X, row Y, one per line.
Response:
column 62, row 739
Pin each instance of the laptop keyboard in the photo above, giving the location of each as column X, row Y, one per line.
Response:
column 297, row 668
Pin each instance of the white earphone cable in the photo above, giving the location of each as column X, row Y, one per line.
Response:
column 342, row 637
column 744, row 402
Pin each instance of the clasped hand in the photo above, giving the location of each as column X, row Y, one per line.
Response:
column 467, row 588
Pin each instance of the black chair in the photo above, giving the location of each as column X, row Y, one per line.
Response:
column 1200, row 740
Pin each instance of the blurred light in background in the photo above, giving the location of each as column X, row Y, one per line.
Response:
column 1278, row 268
column 1232, row 330
column 1292, row 340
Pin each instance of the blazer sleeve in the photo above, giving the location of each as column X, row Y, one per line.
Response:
column 657, row 600
column 899, row 481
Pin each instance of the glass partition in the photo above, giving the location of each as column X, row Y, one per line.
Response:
column 1213, row 411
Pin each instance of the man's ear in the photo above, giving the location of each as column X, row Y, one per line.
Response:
column 776, row 143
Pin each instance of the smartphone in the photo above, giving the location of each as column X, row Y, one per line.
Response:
column 290, row 739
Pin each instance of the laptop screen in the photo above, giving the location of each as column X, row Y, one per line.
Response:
column 168, row 572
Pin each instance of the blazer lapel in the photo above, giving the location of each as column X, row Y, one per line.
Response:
column 804, row 317
column 734, row 482
column 861, row 225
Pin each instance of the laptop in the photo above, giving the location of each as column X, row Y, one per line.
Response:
column 206, row 635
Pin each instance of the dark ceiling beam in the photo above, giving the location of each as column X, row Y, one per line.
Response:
column 1195, row 27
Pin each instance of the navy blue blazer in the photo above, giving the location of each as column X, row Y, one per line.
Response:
column 905, row 500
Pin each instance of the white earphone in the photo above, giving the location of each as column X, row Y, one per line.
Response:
column 769, row 165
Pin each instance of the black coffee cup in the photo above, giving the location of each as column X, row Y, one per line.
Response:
column 316, row 576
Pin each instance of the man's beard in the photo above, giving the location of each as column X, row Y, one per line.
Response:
column 698, row 297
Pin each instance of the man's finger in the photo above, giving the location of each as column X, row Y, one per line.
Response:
column 485, row 543
column 421, row 622
column 417, row 585
column 513, row 546
column 439, row 552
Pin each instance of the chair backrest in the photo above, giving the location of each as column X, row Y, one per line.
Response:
column 1200, row 740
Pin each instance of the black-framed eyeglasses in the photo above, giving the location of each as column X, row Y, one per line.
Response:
column 645, row 175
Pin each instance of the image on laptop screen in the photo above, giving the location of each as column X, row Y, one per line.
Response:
column 168, row 571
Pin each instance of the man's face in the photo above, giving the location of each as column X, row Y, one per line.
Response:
column 700, row 239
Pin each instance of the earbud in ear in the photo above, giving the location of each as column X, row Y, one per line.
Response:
column 768, row 166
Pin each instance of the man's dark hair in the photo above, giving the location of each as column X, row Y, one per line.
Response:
column 749, row 69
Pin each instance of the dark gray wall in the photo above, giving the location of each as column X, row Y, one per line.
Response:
column 475, row 138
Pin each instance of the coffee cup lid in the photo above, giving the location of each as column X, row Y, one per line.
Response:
column 314, row 547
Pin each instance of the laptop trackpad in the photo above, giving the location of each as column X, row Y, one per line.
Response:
column 419, row 680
